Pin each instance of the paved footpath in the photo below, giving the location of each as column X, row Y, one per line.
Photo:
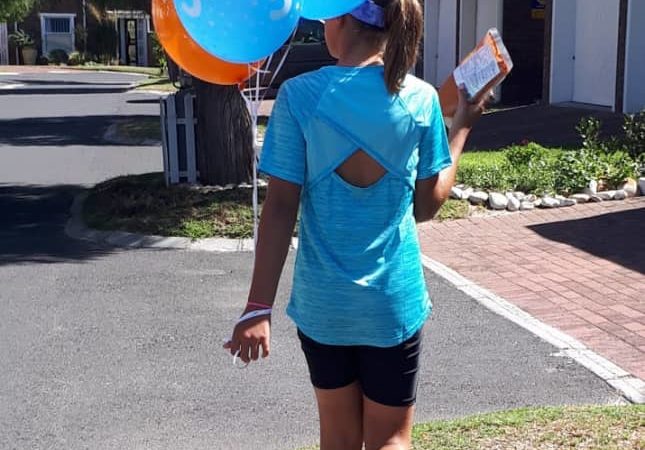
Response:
column 580, row 269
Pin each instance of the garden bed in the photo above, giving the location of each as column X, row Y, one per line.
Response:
column 143, row 204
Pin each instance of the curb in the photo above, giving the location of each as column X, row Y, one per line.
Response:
column 632, row 388
column 76, row 229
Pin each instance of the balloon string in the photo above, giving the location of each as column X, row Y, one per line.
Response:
column 253, row 97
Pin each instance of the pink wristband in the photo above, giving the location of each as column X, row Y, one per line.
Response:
column 258, row 305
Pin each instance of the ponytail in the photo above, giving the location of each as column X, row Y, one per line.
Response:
column 404, row 28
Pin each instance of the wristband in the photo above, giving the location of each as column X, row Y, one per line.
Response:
column 253, row 314
column 259, row 305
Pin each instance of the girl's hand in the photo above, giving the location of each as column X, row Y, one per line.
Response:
column 249, row 337
column 468, row 113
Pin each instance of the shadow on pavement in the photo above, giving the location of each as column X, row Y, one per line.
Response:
column 617, row 237
column 32, row 226
column 55, row 131
column 552, row 126
column 65, row 89
column 144, row 101
column 41, row 82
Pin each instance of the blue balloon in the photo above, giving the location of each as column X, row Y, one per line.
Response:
column 328, row 9
column 239, row 31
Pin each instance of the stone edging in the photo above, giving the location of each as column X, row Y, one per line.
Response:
column 76, row 229
column 629, row 386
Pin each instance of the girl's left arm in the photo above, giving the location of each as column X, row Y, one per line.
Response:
column 277, row 223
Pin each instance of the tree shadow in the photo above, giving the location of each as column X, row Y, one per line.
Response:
column 144, row 101
column 32, row 226
column 550, row 126
column 617, row 236
column 56, row 131
column 65, row 90
column 41, row 82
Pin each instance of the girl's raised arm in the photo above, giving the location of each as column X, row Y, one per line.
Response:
column 431, row 193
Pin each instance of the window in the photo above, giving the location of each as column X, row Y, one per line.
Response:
column 57, row 25
column 309, row 32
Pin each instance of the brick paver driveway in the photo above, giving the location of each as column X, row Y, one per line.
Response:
column 579, row 269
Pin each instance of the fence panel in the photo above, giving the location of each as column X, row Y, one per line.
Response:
column 178, row 139
column 4, row 45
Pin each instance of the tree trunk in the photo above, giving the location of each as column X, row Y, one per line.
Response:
column 224, row 135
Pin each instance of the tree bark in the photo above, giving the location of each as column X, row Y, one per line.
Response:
column 224, row 135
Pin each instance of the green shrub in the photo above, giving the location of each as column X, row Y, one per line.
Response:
column 617, row 167
column 634, row 129
column 75, row 59
column 58, row 56
column 158, row 52
column 497, row 176
column 589, row 131
column 576, row 169
column 533, row 168
column 21, row 39
column 524, row 155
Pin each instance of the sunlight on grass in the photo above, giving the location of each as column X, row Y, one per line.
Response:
column 555, row 428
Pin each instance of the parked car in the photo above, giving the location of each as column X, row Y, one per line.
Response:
column 307, row 52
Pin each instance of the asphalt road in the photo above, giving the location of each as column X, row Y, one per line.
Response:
column 121, row 349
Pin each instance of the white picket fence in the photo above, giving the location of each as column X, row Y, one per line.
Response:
column 178, row 139
column 4, row 45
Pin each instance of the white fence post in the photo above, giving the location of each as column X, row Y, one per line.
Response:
column 4, row 45
column 164, row 139
column 189, row 123
column 174, row 154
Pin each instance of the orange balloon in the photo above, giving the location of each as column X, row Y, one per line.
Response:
column 189, row 55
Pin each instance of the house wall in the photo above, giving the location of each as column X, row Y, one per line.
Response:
column 32, row 23
column 440, row 44
column 97, row 41
column 563, row 50
column 634, row 87
column 590, row 50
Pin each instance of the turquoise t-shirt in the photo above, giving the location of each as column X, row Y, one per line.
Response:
column 358, row 277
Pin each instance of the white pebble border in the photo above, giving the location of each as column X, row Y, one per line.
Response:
column 519, row 201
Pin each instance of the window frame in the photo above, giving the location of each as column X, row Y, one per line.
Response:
column 44, row 33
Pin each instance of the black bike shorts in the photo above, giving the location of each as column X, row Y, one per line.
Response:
column 388, row 376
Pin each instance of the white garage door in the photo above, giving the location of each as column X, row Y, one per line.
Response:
column 596, row 52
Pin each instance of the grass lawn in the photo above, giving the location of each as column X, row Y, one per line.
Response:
column 588, row 428
column 143, row 204
column 143, row 130
column 453, row 209
column 156, row 83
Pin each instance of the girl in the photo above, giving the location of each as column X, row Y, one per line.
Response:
column 361, row 149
